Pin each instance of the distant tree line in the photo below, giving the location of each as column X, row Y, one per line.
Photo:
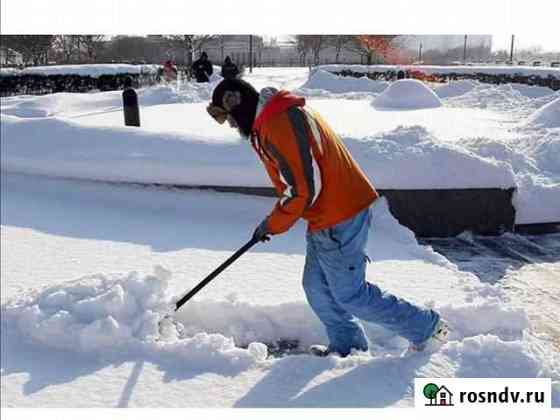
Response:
column 78, row 49
column 371, row 49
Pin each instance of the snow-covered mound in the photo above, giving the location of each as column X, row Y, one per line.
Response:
column 532, row 91
column 407, row 94
column 546, row 117
column 411, row 157
column 120, row 315
column 403, row 158
column 323, row 80
column 69, row 104
column 454, row 88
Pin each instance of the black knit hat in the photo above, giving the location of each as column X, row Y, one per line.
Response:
column 238, row 99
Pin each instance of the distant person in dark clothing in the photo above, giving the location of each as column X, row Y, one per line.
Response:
column 229, row 69
column 202, row 68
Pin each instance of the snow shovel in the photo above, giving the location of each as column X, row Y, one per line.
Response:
column 215, row 273
column 169, row 319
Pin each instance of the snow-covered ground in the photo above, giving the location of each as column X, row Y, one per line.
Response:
column 88, row 268
column 476, row 136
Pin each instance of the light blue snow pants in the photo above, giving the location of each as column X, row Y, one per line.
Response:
column 336, row 288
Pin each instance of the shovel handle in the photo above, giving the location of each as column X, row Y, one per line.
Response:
column 214, row 273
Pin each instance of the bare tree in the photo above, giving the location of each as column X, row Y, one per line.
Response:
column 65, row 48
column 303, row 47
column 317, row 43
column 34, row 48
column 92, row 44
column 339, row 43
column 190, row 44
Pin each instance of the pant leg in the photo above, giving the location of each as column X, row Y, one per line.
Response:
column 343, row 329
column 342, row 256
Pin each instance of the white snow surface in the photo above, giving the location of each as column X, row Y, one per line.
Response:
column 481, row 136
column 407, row 94
column 325, row 81
column 92, row 70
column 79, row 318
column 548, row 116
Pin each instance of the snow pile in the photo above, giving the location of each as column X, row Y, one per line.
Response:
column 488, row 356
column 547, row 152
column 412, row 158
column 325, row 81
column 62, row 103
column 67, row 149
column 407, row 94
column 92, row 70
column 486, row 317
column 408, row 157
column 546, row 117
column 532, row 91
column 537, row 200
column 454, row 88
column 501, row 98
column 119, row 315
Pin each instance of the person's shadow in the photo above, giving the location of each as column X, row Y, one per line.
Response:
column 377, row 383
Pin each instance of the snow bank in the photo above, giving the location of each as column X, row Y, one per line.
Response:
column 491, row 70
column 405, row 158
column 119, row 315
column 488, row 356
column 66, row 149
column 546, row 117
column 502, row 98
column 92, row 70
column 407, row 94
column 537, row 200
column 532, row 91
column 412, row 158
column 323, row 80
column 8, row 71
column 486, row 317
column 454, row 88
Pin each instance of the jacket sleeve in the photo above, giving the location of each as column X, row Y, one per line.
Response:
column 292, row 174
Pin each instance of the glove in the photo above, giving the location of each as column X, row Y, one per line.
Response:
column 262, row 233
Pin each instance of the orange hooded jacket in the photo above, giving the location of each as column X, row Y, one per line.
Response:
column 312, row 171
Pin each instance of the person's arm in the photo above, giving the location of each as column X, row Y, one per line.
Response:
column 288, row 145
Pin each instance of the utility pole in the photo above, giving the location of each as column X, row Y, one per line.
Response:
column 465, row 51
column 420, row 53
column 511, row 50
column 250, row 53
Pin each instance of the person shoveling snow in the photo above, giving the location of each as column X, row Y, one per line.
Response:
column 318, row 180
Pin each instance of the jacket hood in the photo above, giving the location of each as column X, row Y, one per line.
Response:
column 272, row 102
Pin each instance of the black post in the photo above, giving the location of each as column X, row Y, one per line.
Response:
column 250, row 53
column 420, row 53
column 465, row 51
column 130, row 104
column 511, row 50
